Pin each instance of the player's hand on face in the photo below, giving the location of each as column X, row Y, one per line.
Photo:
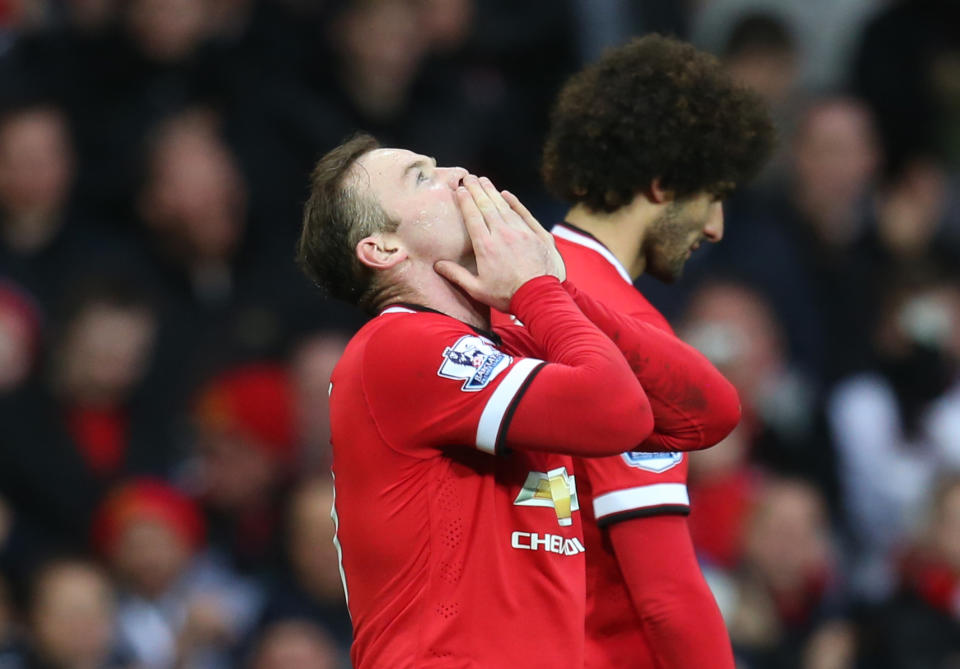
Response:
column 510, row 246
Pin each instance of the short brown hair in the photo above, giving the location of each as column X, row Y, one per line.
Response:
column 335, row 218
column 653, row 108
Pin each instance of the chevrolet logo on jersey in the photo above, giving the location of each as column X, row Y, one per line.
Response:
column 555, row 488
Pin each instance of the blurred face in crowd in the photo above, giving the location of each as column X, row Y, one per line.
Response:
column 947, row 527
column 382, row 41
column 311, row 367
column 672, row 238
column 835, row 159
column 36, row 165
column 447, row 22
column 295, row 645
column 787, row 539
column 195, row 199
column 104, row 354
column 149, row 557
column 770, row 72
column 735, row 329
column 236, row 473
column 17, row 345
column 167, row 30
column 72, row 622
column 311, row 548
column 925, row 316
column 422, row 197
column 910, row 209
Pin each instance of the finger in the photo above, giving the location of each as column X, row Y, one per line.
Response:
column 525, row 214
column 472, row 217
column 458, row 276
column 491, row 215
column 506, row 212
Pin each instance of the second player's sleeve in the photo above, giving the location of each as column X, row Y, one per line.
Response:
column 637, row 485
column 681, row 620
column 694, row 406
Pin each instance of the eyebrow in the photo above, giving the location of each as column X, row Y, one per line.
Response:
column 420, row 162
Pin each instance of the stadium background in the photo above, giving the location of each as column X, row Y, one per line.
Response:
column 164, row 493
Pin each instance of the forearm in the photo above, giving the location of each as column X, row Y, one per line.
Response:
column 679, row 613
column 693, row 405
column 586, row 401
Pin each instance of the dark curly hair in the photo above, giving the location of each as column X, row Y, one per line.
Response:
column 656, row 107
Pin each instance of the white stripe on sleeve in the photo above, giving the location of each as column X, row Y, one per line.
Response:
column 641, row 497
column 492, row 417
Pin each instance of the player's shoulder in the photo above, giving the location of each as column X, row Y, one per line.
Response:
column 407, row 334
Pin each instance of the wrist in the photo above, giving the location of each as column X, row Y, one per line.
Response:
column 530, row 292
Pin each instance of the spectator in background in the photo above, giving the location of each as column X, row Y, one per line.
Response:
column 782, row 428
column 311, row 589
column 40, row 235
column 723, row 487
column 761, row 53
column 897, row 426
column 311, row 365
column 920, row 627
column 906, row 68
column 916, row 219
column 193, row 203
column 245, row 455
column 784, row 609
column 295, row 644
column 20, row 336
column 222, row 294
column 71, row 618
column 179, row 607
column 89, row 418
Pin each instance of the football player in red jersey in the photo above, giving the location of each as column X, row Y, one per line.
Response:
column 456, row 502
column 645, row 144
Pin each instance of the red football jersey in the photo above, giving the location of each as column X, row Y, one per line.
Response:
column 455, row 550
column 619, row 487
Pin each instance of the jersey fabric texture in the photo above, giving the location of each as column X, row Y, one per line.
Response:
column 459, row 532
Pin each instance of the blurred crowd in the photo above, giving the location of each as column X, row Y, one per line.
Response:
column 164, row 460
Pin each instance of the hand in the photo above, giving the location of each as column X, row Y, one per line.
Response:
column 510, row 246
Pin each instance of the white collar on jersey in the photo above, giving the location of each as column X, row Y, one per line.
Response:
column 563, row 232
column 397, row 310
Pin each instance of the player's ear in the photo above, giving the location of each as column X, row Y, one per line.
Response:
column 380, row 251
column 657, row 194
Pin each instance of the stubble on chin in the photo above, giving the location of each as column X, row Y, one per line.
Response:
column 666, row 245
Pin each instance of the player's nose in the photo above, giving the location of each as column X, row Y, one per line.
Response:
column 713, row 230
column 453, row 175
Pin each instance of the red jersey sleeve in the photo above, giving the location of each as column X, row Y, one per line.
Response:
column 681, row 620
column 433, row 383
column 693, row 404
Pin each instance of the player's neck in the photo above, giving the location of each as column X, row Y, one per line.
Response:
column 622, row 231
column 423, row 286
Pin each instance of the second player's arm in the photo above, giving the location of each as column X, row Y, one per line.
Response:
column 693, row 405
